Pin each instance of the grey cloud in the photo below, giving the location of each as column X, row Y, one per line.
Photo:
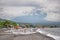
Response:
column 21, row 3
column 47, row 6
column 56, row 1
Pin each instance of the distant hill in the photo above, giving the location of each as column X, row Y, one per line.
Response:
column 2, row 19
column 34, row 20
column 6, row 19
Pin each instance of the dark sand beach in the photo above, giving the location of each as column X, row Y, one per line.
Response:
column 35, row 36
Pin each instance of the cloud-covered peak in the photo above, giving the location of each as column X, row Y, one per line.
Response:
column 50, row 7
column 12, row 12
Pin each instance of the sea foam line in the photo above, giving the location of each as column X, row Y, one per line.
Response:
column 48, row 34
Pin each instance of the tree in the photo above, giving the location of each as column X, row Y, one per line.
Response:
column 7, row 23
column 14, row 24
column 33, row 26
column 1, row 24
column 27, row 25
column 55, row 26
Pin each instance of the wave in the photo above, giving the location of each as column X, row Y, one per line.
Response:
column 44, row 32
column 54, row 33
column 53, row 36
column 21, row 31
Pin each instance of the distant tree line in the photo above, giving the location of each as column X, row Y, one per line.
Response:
column 7, row 23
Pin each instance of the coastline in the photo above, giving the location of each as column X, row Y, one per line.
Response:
column 38, row 34
column 50, row 32
column 34, row 36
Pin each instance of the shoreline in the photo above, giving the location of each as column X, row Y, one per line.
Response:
column 50, row 32
column 34, row 36
column 43, row 33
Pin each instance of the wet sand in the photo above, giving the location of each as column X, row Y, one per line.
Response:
column 35, row 36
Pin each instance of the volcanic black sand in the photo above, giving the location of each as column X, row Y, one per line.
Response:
column 35, row 36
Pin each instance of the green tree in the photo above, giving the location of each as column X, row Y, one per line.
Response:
column 33, row 26
column 51, row 26
column 14, row 24
column 27, row 25
column 55, row 26
column 7, row 23
column 1, row 24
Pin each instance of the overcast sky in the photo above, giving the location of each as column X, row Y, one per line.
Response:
column 10, row 9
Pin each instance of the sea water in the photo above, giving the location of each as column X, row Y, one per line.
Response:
column 51, row 32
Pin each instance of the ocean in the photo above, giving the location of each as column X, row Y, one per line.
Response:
column 51, row 32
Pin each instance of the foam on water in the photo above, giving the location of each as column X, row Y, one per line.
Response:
column 54, row 33
column 41, row 31
column 16, row 32
column 53, row 36
column 48, row 34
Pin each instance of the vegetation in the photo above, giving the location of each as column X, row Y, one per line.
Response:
column 7, row 23
column 27, row 25
column 53, row 26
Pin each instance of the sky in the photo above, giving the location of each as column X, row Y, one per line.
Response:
column 37, row 10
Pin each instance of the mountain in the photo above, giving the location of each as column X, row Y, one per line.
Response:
column 27, row 19
column 2, row 19
column 5, row 20
column 34, row 20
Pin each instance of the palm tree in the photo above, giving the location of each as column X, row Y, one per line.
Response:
column 7, row 23
column 1, row 24
column 14, row 24
column 27, row 25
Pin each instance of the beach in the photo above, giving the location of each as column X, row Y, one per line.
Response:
column 34, row 36
column 31, row 34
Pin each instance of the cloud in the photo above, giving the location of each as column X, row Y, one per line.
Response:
column 52, row 10
column 12, row 12
column 50, row 7
column 53, row 17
